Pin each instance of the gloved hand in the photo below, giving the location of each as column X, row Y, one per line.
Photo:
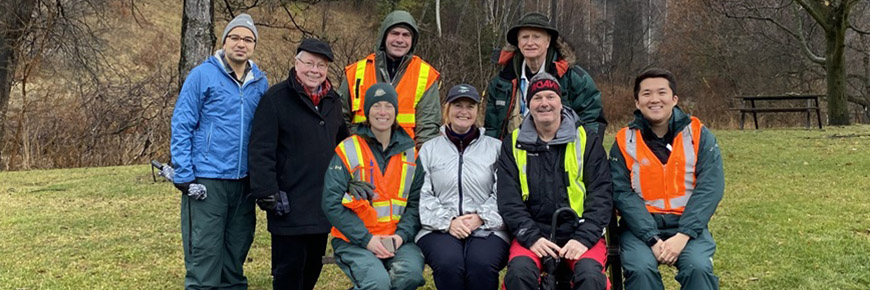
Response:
column 194, row 190
column 282, row 203
column 361, row 190
column 184, row 187
column 267, row 203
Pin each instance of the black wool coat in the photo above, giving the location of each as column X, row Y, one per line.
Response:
column 291, row 144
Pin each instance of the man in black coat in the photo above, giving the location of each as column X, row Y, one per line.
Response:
column 297, row 124
column 551, row 161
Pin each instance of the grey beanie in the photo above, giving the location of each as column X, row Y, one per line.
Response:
column 243, row 20
column 380, row 92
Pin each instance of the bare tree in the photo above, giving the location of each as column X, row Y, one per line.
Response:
column 197, row 35
column 14, row 18
column 832, row 17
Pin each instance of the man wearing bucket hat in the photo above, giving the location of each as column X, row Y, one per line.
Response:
column 541, row 50
column 394, row 62
column 210, row 130
column 296, row 125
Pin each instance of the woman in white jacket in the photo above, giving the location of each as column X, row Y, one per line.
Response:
column 463, row 237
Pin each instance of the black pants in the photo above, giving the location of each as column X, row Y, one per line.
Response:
column 296, row 260
column 472, row 263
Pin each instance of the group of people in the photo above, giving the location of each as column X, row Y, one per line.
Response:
column 401, row 179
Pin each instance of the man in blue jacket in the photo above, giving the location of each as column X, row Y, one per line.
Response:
column 210, row 129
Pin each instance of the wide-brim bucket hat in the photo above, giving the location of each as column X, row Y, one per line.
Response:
column 532, row 20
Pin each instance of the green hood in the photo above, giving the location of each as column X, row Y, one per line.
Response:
column 397, row 17
column 678, row 121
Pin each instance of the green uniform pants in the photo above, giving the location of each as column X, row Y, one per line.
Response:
column 403, row 271
column 217, row 233
column 695, row 264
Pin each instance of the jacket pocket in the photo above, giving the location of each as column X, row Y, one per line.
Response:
column 208, row 140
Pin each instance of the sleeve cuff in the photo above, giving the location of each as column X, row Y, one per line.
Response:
column 650, row 234
column 364, row 242
column 689, row 232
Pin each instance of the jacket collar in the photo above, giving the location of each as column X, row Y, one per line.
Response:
column 678, row 121
column 399, row 140
column 217, row 61
column 566, row 133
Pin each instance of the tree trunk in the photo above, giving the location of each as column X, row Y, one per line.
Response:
column 15, row 16
column 835, row 67
column 197, row 35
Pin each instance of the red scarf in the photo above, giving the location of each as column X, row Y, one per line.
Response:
column 316, row 96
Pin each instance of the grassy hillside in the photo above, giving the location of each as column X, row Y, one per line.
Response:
column 796, row 215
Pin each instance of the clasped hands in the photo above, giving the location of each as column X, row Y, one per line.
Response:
column 667, row 251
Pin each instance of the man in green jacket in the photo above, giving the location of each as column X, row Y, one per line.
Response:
column 667, row 182
column 541, row 50
column 394, row 62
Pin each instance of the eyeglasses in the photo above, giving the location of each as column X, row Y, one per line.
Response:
column 235, row 38
column 311, row 64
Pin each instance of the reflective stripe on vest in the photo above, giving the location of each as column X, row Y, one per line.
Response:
column 359, row 76
column 665, row 188
column 387, row 207
column 417, row 78
column 573, row 166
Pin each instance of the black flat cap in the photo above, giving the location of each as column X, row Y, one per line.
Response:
column 317, row 47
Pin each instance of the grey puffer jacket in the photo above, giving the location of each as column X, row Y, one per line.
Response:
column 456, row 184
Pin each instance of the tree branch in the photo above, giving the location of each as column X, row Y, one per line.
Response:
column 806, row 44
column 798, row 35
column 859, row 31
column 859, row 100
column 293, row 20
column 229, row 9
column 817, row 11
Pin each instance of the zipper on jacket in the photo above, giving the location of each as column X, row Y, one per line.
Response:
column 460, row 178
column 242, row 123
column 241, row 129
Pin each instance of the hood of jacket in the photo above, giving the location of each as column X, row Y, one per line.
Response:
column 397, row 17
column 565, row 134
column 218, row 61
column 678, row 121
column 560, row 57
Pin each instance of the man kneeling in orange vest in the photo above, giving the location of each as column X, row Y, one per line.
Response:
column 371, row 196
column 667, row 182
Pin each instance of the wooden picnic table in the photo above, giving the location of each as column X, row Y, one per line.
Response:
column 749, row 107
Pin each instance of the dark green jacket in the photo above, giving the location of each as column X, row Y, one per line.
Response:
column 709, row 187
column 428, row 111
column 578, row 92
column 335, row 185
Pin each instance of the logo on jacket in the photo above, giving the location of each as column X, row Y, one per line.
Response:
column 644, row 162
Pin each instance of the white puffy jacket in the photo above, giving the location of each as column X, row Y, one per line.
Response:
column 457, row 184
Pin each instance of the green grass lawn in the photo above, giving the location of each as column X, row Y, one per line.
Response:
column 796, row 215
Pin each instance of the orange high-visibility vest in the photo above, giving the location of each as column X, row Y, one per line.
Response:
column 419, row 76
column 391, row 187
column 664, row 188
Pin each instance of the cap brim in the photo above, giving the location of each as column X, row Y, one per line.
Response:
column 512, row 33
column 470, row 97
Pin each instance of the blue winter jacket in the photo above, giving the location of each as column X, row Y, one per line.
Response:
column 211, row 123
